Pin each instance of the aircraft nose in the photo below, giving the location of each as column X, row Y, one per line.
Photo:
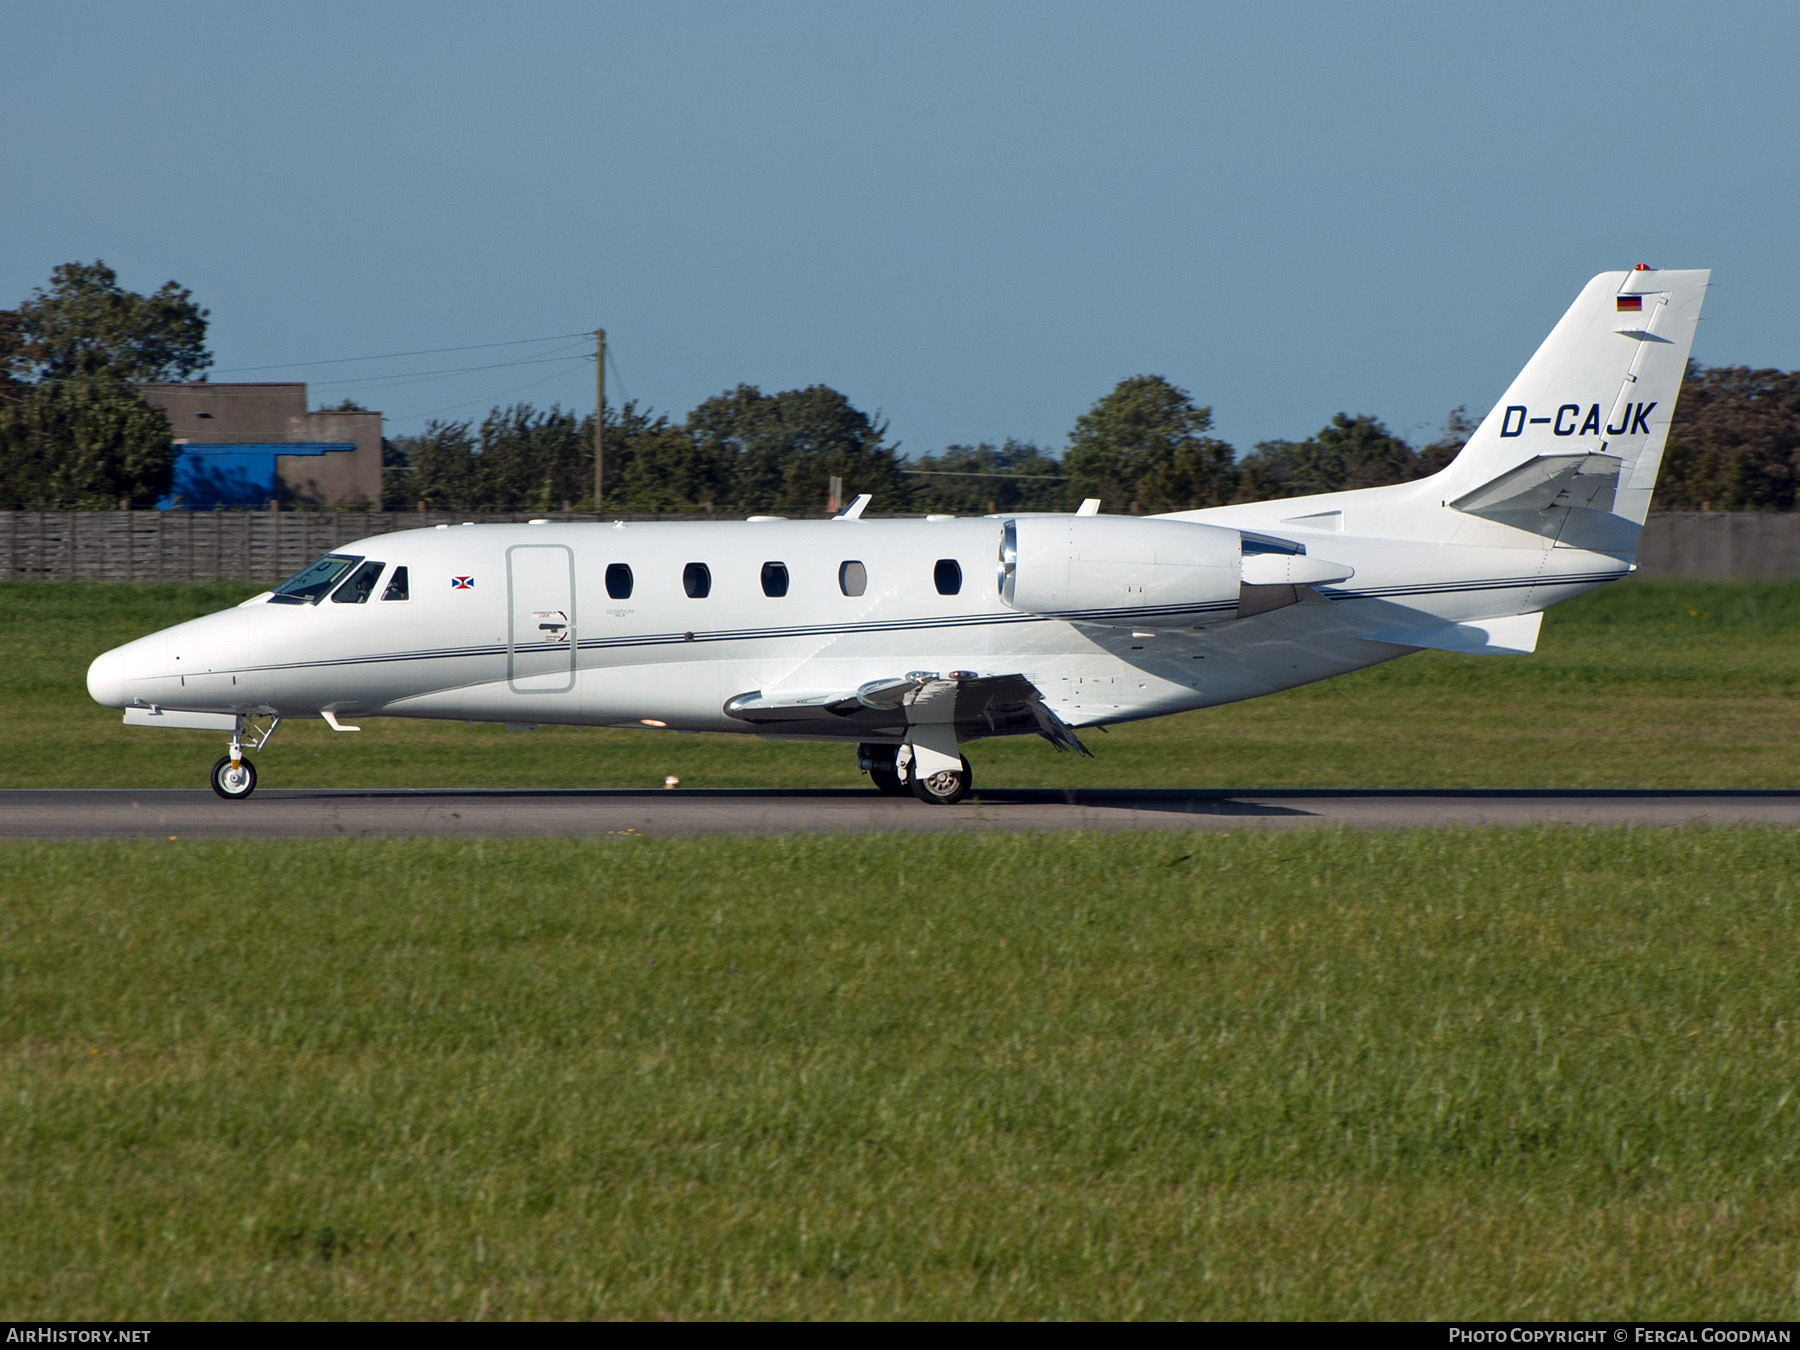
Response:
column 112, row 674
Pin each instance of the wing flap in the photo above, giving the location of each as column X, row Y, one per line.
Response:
column 977, row 706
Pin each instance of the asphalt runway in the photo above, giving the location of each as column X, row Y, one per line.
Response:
column 293, row 813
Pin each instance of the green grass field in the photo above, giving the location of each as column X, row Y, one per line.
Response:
column 1533, row 1074
column 1643, row 684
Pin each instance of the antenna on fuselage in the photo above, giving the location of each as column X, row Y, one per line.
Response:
column 855, row 509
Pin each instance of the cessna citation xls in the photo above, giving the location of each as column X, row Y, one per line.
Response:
column 909, row 637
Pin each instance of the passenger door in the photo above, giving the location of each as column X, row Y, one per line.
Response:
column 540, row 600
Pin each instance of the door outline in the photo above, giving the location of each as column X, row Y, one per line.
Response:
column 567, row 645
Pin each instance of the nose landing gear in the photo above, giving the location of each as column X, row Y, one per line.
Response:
column 234, row 776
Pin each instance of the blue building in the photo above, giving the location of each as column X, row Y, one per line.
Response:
column 253, row 445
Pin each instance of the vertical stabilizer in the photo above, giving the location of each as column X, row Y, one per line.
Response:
column 1585, row 422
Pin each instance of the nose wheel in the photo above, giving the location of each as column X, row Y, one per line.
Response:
column 233, row 783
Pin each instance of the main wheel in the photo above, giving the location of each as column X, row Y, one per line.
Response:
column 234, row 784
column 878, row 762
column 946, row 787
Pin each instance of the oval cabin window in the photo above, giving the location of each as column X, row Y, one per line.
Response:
column 618, row 581
column 948, row 575
column 853, row 578
column 775, row 579
column 696, row 580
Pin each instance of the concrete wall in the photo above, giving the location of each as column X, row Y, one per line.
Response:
column 218, row 414
column 1721, row 546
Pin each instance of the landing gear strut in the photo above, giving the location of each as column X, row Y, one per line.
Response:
column 234, row 776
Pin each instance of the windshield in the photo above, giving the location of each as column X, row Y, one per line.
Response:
column 309, row 585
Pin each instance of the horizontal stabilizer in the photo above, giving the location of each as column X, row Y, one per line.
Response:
column 1578, row 481
column 1516, row 634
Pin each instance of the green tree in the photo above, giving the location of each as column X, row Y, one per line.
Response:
column 777, row 452
column 73, row 432
column 1458, row 427
column 1349, row 452
column 84, row 322
column 86, row 442
column 979, row 479
column 442, row 458
column 1734, row 443
column 651, row 465
column 535, row 461
column 1143, row 447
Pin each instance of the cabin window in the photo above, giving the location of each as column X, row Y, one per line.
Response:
column 696, row 580
column 775, row 579
column 396, row 587
column 360, row 587
column 618, row 581
column 948, row 575
column 853, row 578
column 313, row 582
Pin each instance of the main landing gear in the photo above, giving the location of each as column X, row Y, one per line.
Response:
column 930, row 776
column 234, row 776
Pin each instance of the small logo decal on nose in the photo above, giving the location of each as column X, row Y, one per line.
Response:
column 462, row 583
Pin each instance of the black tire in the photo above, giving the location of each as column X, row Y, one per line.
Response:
column 226, row 787
column 878, row 763
column 887, row 780
column 945, row 788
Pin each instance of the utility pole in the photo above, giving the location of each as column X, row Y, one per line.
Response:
column 599, row 417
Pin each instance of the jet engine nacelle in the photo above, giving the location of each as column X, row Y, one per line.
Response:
column 1120, row 572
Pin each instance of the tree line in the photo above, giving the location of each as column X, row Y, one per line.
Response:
column 75, row 433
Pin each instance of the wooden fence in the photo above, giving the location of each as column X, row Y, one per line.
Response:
column 265, row 546
column 256, row 546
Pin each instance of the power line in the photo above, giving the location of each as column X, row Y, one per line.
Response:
column 618, row 374
column 392, row 356
column 433, row 412
column 408, row 376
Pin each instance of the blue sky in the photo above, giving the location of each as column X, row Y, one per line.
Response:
column 974, row 218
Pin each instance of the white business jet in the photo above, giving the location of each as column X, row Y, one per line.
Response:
column 907, row 638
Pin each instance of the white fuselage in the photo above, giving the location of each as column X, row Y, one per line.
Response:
column 482, row 649
column 918, row 634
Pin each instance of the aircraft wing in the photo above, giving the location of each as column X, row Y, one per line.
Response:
column 987, row 705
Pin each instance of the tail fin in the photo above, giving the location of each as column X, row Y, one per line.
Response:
column 1583, row 425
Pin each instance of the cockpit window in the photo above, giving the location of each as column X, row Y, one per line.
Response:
column 311, row 584
column 360, row 587
column 396, row 587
